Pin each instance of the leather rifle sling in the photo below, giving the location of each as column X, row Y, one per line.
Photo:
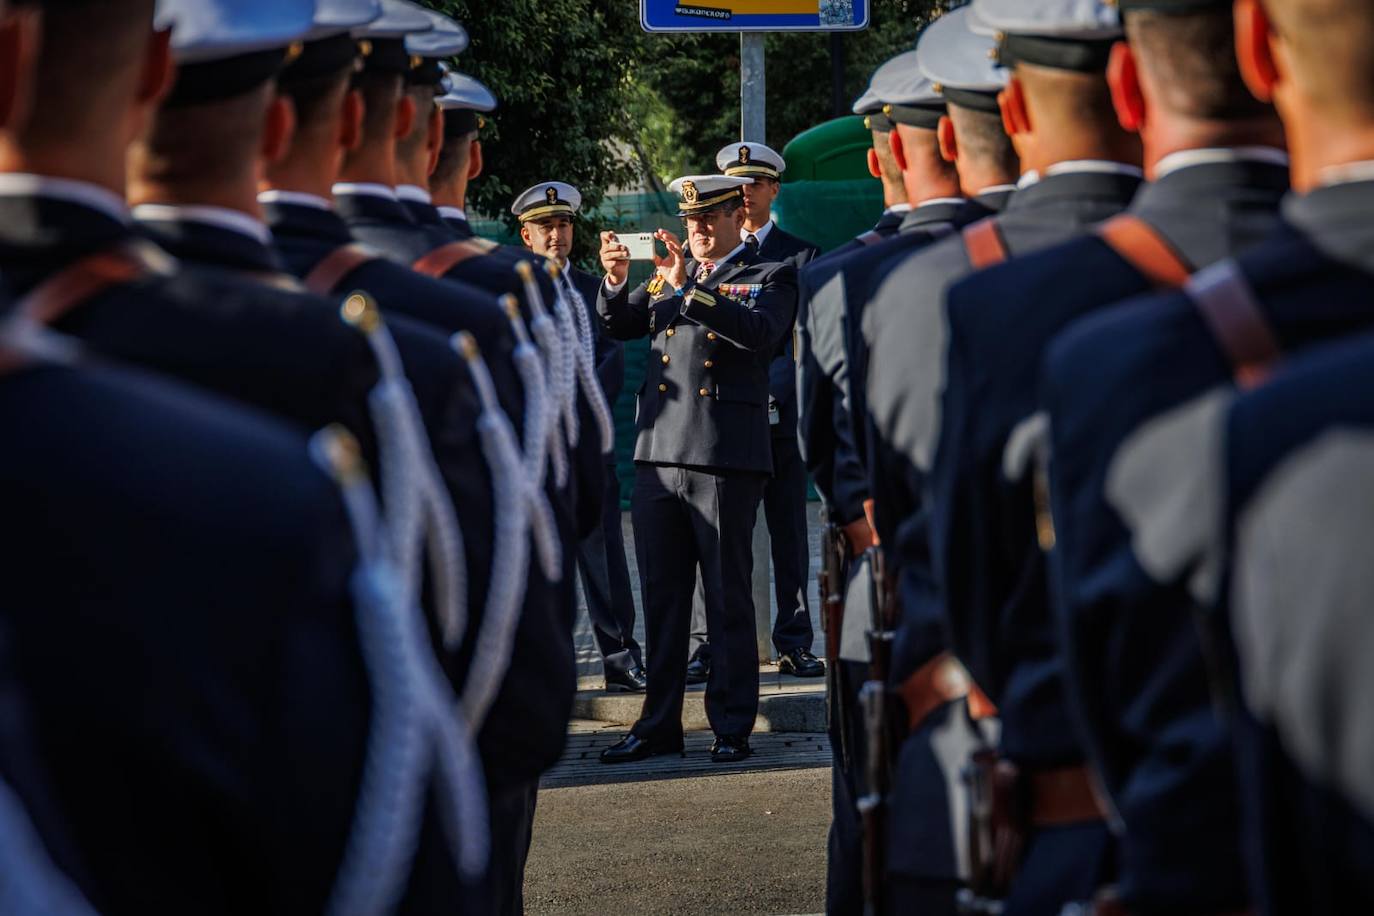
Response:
column 79, row 282
column 984, row 243
column 324, row 278
column 1221, row 295
column 1139, row 245
column 1228, row 307
column 446, row 257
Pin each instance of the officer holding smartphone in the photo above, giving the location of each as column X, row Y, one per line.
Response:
column 715, row 315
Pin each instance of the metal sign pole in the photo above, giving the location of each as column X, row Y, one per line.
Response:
column 753, row 127
column 753, row 124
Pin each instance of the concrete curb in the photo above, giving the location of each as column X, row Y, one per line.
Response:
column 786, row 704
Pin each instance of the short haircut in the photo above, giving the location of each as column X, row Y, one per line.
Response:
column 423, row 96
column 88, row 66
column 1329, row 43
column 315, row 98
column 454, row 157
column 890, row 175
column 1190, row 59
column 381, row 93
column 1068, row 96
column 926, row 146
column 983, row 139
column 208, row 143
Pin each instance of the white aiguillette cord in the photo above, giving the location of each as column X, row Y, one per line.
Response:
column 557, row 377
column 418, row 507
column 586, row 357
column 417, row 729
column 519, row 506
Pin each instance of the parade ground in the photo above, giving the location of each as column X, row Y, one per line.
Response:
column 673, row 825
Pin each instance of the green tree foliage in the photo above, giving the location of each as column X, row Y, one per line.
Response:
column 560, row 70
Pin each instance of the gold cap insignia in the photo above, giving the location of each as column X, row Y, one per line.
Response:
column 689, row 192
column 744, row 154
column 551, row 194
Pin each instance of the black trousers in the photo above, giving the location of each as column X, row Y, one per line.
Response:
column 512, row 828
column 606, row 585
column 784, row 510
column 685, row 520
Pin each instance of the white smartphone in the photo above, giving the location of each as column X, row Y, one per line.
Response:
column 640, row 245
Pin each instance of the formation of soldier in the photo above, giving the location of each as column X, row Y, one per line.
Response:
column 1089, row 416
column 297, row 473
column 301, row 469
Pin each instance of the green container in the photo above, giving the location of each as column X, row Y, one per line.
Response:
column 834, row 151
column 828, row 195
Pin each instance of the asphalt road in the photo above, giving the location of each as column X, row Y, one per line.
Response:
column 676, row 836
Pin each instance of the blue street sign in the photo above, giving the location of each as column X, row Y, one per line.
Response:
column 753, row 15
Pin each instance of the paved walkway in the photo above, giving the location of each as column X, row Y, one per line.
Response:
column 589, row 659
column 681, row 835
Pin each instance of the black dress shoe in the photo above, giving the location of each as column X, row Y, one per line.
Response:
column 632, row 681
column 698, row 670
column 729, row 749
column 632, row 748
column 800, row 663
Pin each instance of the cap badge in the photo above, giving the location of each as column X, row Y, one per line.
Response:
column 551, row 194
column 744, row 154
column 689, row 192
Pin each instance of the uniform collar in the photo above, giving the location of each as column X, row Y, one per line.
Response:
column 734, row 253
column 1335, row 216
column 81, row 193
column 295, row 198
column 234, row 221
column 413, row 193
column 290, row 218
column 1219, row 155
column 364, row 189
column 1348, row 173
column 897, row 209
column 760, row 233
column 454, row 213
column 940, row 201
column 1081, row 167
column 996, row 189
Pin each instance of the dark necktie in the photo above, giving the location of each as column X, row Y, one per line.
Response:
column 753, row 242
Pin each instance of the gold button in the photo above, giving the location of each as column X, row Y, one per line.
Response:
column 670, row 332
column 666, row 359
column 703, row 392
column 662, row 387
column 708, row 364
column 710, row 335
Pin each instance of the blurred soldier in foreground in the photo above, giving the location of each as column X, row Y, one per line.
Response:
column 1298, row 456
column 1135, row 668
column 714, row 320
column 546, row 215
column 1310, row 282
column 1080, row 167
column 221, row 806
